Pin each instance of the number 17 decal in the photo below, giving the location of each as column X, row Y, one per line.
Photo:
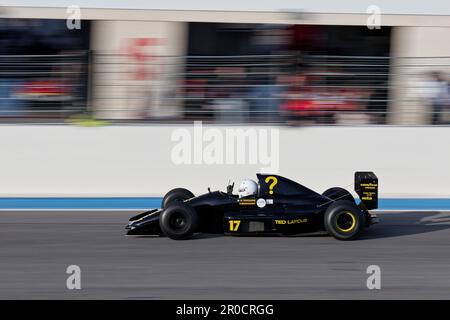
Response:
column 234, row 225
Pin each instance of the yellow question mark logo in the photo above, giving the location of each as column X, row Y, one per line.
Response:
column 272, row 185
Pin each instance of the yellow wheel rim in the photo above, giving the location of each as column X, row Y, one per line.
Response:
column 345, row 221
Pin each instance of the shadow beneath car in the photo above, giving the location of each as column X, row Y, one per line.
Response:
column 143, row 236
column 398, row 224
column 200, row 236
column 392, row 224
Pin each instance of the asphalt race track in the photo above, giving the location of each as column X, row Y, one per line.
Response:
column 411, row 248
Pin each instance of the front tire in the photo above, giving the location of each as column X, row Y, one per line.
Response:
column 344, row 220
column 178, row 194
column 178, row 221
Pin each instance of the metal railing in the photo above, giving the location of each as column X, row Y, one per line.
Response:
column 278, row 89
column 36, row 87
column 270, row 89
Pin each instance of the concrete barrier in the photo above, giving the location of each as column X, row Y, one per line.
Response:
column 137, row 161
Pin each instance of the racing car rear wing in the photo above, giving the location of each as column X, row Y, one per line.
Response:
column 366, row 186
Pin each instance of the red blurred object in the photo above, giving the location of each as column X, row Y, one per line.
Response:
column 319, row 107
column 44, row 90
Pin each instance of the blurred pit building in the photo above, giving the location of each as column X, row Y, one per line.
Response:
column 278, row 62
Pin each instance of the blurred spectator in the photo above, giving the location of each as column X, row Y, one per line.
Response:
column 436, row 91
column 265, row 100
column 229, row 105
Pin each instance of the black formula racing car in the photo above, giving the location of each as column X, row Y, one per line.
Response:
column 280, row 207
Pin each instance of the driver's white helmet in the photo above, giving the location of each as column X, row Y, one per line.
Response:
column 247, row 187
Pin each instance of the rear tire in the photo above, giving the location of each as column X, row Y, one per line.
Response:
column 344, row 220
column 178, row 194
column 178, row 221
column 338, row 194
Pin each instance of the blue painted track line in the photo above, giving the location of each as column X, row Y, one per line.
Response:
column 140, row 203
